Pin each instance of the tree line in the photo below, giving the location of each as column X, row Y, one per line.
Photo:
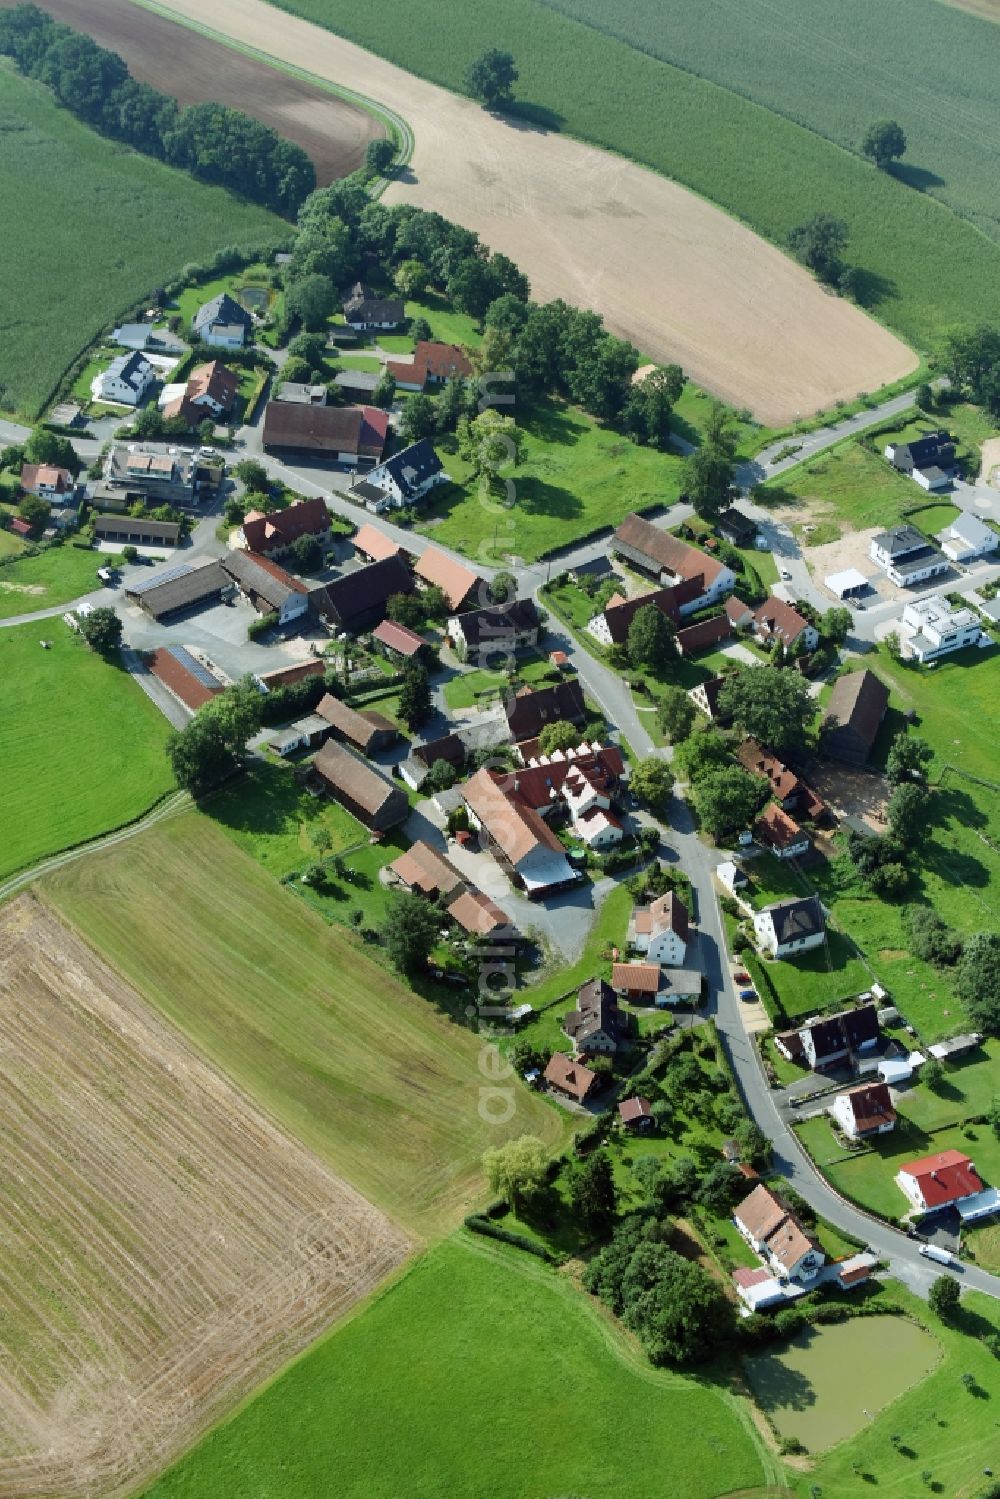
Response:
column 219, row 145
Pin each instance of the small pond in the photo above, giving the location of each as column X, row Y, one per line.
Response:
column 829, row 1381
column 253, row 298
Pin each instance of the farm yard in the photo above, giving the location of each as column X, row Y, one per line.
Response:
column 337, row 1049
column 134, row 223
column 930, row 272
column 473, row 1344
column 685, row 283
column 80, row 743
column 143, row 1199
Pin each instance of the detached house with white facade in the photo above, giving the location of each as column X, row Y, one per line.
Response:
column 222, row 323
column 906, row 556
column 790, row 926
column 125, row 381
column 772, row 1231
column 661, row 930
column 931, row 627
column 967, row 538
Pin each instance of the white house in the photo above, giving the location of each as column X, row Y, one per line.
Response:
column 790, row 926
column 906, row 556
column 598, row 827
column 125, row 381
column 864, row 1111
column 404, row 478
column 776, row 1235
column 730, row 876
column 661, row 930
column 222, row 323
column 938, row 1181
column 930, row 628
column 967, row 537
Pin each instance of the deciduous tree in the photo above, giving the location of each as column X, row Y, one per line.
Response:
column 410, row 928
column 772, row 706
column 652, row 781
column 650, row 639
column 884, row 141
column 728, row 799
column 819, row 243
column 676, row 714
column 909, row 759
column 102, row 629
column 515, row 1169
column 491, row 78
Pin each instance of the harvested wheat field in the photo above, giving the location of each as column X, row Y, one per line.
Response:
column 332, row 132
column 677, row 276
column 163, row 1246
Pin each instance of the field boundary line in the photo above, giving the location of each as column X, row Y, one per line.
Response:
column 169, row 805
column 397, row 125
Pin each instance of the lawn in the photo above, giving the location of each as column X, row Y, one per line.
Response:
column 373, row 1078
column 270, row 815
column 447, row 325
column 608, row 929
column 818, row 979
column 81, row 746
column 933, row 272
column 846, row 489
column 955, row 704
column 54, row 575
column 191, row 298
column 91, row 228
column 575, row 479
column 441, row 1384
column 468, row 689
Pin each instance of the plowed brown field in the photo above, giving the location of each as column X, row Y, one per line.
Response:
column 196, row 70
column 163, row 1246
column 680, row 278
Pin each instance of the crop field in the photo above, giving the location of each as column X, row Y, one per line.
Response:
column 332, row 132
column 682, row 280
column 825, row 68
column 340, row 1052
column 926, row 268
column 81, row 746
column 426, row 1392
column 164, row 1246
column 91, row 228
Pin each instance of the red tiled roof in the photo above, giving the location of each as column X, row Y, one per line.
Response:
column 477, row 913
column 871, row 1105
column 944, row 1177
column 642, row 978
column 33, row 474
column 182, row 683
column 455, row 580
column 264, row 533
column 375, row 543
column 398, row 638
column 570, row 1077
column 707, row 632
column 775, row 827
column 669, row 553
column 443, row 361
column 631, row 1109
column 20, row 527
column 775, row 617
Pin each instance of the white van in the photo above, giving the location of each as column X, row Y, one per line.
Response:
column 942, row 1256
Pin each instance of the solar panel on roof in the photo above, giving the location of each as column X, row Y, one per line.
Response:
column 166, row 577
column 191, row 663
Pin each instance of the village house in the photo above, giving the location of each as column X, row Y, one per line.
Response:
column 730, row 876
column 737, row 528
column 365, row 792
column 374, row 545
column 611, row 626
column 790, row 926
column 56, row 485
column 739, row 614
column 853, row 717
column 940, row 1180
column 424, row 871
column 636, row 1115
column 671, row 561
column 351, row 435
column 706, row 699
column 967, row 537
column 517, row 835
column 931, row 627
column 363, row 310
column 702, row 636
column 459, row 584
column 222, row 323
column 480, row 916
column 357, row 601
column 366, row 730
column 791, row 793
column 639, row 983
column 598, row 828
column 528, row 712
column 831, row 1040
column 928, row 460
column 571, row 1079
column 433, row 365
column 209, row 394
column 268, row 587
column 495, row 631
column 661, row 930
column 596, row 1027
column 776, row 620
column 780, row 834
column 275, row 534
column 402, row 479
column 125, row 381
column 864, row 1111
column 772, row 1231
column 906, row 556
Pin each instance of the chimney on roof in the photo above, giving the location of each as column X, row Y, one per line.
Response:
column 934, row 1176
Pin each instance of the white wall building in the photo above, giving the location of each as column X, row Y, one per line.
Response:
column 930, row 628
column 125, row 381
column 790, row 926
column 967, row 538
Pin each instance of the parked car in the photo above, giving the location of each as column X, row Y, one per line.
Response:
column 748, row 994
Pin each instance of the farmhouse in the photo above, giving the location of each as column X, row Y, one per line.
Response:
column 772, row 1231
column 702, row 636
column 706, row 699
column 222, row 323
column 790, row 926
column 366, row 731
column 517, row 836
column 776, row 620
column 363, row 309
column 457, row 582
column 404, row 478
column 354, row 435
column 137, row 530
column 180, row 590
column 210, row 393
column 497, row 630
column 569, row 1078
column 595, row 1025
column 831, row 1039
column 671, row 561
column 853, row 717
column 661, row 930
column 274, row 534
column 423, row 870
column 938, row 1181
column 398, row 642
column 929, row 460
column 791, row 793
column 56, row 485
column 906, row 556
column 865, row 1111
column 528, row 712
column 611, row 627
column 267, row 586
column 433, row 364
column 967, row 537
column 373, row 544
column 931, row 627
column 366, row 793
column 638, row 982
column 780, row 833
column 358, row 600
column 286, row 676
column 125, row 381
